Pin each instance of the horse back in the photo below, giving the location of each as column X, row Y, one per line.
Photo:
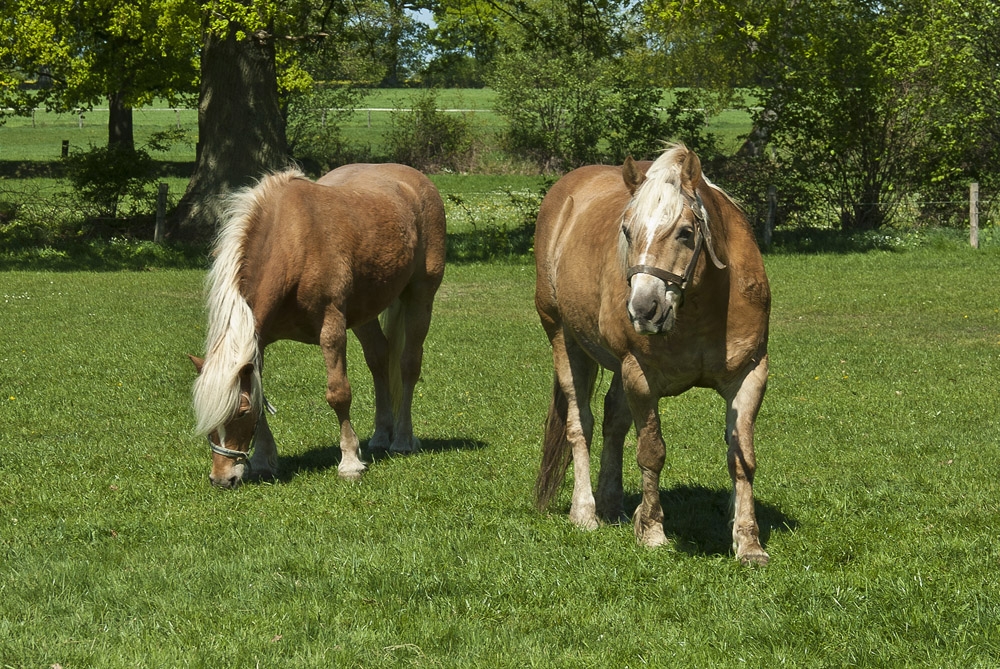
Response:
column 352, row 241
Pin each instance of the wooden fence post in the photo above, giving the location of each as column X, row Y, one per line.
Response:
column 974, row 214
column 161, row 213
column 65, row 148
column 772, row 210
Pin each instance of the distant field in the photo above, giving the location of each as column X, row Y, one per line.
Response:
column 39, row 138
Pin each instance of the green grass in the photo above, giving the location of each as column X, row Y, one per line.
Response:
column 876, row 490
column 40, row 138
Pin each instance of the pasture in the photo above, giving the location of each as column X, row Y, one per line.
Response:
column 876, row 491
column 40, row 137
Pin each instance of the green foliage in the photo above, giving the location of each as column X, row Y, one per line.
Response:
column 499, row 227
column 429, row 139
column 107, row 177
column 566, row 111
column 315, row 126
column 865, row 105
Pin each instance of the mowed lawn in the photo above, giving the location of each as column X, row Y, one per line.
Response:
column 877, row 490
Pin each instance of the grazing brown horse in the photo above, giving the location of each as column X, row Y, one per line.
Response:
column 652, row 272
column 308, row 261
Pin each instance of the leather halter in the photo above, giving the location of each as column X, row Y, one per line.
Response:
column 669, row 278
column 235, row 455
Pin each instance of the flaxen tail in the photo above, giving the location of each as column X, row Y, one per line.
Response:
column 393, row 323
column 556, row 450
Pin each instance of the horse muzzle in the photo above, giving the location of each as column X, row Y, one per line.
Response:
column 652, row 306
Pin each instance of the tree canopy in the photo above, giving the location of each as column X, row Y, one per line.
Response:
column 856, row 104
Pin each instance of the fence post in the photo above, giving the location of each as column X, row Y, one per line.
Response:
column 974, row 214
column 65, row 148
column 161, row 213
column 772, row 209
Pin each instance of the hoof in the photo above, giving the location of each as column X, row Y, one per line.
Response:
column 379, row 443
column 753, row 558
column 648, row 533
column 612, row 514
column 351, row 471
column 585, row 518
column 404, row 447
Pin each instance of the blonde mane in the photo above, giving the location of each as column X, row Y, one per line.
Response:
column 659, row 198
column 232, row 341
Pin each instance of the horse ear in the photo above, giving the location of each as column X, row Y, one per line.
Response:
column 632, row 176
column 197, row 362
column 690, row 172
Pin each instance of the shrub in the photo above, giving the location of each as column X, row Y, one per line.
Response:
column 429, row 139
column 106, row 178
column 315, row 137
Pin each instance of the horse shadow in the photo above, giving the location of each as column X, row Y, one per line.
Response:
column 322, row 458
column 697, row 519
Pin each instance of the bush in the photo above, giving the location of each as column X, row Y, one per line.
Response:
column 315, row 137
column 429, row 139
column 108, row 178
column 565, row 111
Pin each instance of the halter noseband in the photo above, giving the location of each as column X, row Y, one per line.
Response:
column 241, row 455
column 232, row 454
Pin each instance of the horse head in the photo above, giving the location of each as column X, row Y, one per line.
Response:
column 232, row 439
column 664, row 229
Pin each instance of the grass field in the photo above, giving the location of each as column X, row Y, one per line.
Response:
column 39, row 138
column 877, row 490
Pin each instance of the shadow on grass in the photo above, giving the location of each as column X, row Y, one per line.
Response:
column 323, row 458
column 696, row 519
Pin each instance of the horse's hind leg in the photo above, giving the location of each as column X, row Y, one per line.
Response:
column 416, row 304
column 576, row 373
column 376, row 350
column 333, row 341
column 617, row 421
column 741, row 413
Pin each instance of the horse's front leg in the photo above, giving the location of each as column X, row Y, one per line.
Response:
column 650, row 454
column 333, row 341
column 742, row 406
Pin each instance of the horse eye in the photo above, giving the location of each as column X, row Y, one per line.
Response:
column 628, row 235
column 685, row 233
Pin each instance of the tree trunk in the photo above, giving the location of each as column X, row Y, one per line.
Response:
column 241, row 130
column 120, row 128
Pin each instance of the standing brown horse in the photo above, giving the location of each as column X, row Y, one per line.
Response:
column 652, row 272
column 307, row 261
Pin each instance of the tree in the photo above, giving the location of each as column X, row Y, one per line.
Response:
column 64, row 55
column 863, row 101
column 240, row 124
column 569, row 79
